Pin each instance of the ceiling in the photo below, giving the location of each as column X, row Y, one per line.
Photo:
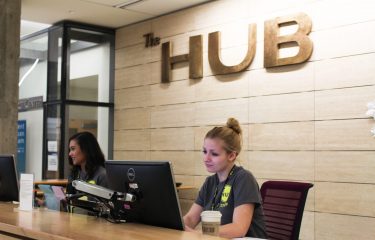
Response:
column 107, row 13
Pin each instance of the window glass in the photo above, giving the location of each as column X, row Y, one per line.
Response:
column 33, row 67
column 32, row 92
column 89, row 63
column 90, row 119
column 53, row 139
column 54, row 64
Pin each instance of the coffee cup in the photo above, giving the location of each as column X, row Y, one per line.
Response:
column 211, row 222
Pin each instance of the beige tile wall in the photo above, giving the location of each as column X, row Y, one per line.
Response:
column 304, row 122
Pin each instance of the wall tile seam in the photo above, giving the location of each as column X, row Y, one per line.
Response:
column 130, row 108
column 282, row 150
column 340, row 26
column 344, row 150
column 124, row 66
column 137, row 151
column 343, row 214
column 346, row 87
column 133, row 45
column 195, row 32
column 186, row 103
column 171, row 104
column 249, row 95
column 211, row 100
column 346, row 183
column 314, row 31
column 281, row 122
column 345, row 56
column 246, row 123
column 179, row 127
column 252, row 69
column 137, row 64
column 184, row 151
column 283, row 179
column 341, row 119
column 200, row 101
column 195, row 126
column 127, row 129
column 252, row 19
column 130, row 88
column 334, row 150
column 256, row 15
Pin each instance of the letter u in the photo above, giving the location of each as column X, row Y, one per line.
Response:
column 214, row 53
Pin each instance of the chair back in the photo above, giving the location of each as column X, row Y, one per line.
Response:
column 283, row 205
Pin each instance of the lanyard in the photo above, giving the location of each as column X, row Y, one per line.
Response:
column 215, row 204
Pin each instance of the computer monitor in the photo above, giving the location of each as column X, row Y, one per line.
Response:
column 158, row 203
column 8, row 179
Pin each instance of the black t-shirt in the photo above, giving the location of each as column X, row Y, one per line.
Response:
column 99, row 178
column 240, row 188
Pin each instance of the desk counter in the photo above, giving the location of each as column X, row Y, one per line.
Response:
column 46, row 224
column 55, row 182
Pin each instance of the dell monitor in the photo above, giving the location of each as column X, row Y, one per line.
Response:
column 158, row 202
column 8, row 179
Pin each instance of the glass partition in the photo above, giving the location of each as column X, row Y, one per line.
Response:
column 52, row 166
column 89, row 81
column 71, row 65
column 32, row 93
column 90, row 119
column 33, row 67
column 55, row 65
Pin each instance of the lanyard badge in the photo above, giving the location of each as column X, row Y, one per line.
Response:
column 225, row 193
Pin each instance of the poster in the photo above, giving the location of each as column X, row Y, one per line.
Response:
column 52, row 162
column 21, row 146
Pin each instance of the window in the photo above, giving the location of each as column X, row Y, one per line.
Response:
column 74, row 73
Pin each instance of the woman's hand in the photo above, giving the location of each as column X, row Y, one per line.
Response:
column 189, row 229
column 193, row 217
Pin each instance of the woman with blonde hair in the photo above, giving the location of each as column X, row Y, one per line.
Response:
column 232, row 190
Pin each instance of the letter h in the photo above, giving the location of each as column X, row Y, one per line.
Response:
column 194, row 57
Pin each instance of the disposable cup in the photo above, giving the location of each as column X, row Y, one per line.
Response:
column 211, row 222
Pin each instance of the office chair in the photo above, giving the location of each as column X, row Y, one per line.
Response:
column 283, row 205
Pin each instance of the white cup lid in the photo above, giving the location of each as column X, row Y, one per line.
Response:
column 211, row 216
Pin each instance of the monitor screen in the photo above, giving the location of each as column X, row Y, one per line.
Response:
column 158, row 203
column 8, row 179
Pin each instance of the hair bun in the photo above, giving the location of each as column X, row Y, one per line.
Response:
column 233, row 124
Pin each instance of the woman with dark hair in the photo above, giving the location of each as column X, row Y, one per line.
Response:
column 87, row 160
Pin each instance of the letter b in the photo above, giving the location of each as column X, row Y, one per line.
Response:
column 272, row 40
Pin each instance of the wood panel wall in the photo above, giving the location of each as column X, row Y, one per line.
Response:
column 304, row 122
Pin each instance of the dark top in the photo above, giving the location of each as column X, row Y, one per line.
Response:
column 239, row 188
column 99, row 178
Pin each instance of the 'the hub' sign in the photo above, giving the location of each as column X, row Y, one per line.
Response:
column 272, row 43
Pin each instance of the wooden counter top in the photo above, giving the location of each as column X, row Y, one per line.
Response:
column 47, row 224
column 64, row 182
column 55, row 182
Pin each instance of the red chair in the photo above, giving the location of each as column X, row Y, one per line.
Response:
column 283, row 205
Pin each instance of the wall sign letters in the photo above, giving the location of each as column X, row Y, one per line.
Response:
column 151, row 40
column 272, row 44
